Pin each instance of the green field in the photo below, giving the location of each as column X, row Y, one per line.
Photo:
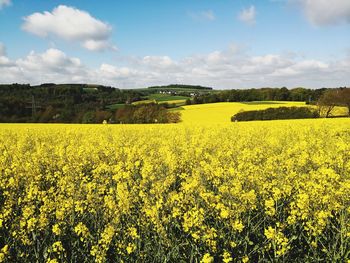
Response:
column 165, row 97
column 115, row 106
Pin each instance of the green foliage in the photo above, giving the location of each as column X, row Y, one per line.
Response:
column 115, row 106
column 263, row 94
column 281, row 113
column 332, row 98
column 68, row 103
column 89, row 117
column 180, row 86
column 146, row 113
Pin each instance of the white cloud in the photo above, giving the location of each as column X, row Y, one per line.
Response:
column 70, row 24
column 113, row 72
column 302, row 67
column 326, row 12
column 159, row 63
column 50, row 60
column 248, row 15
column 207, row 15
column 4, row 60
column 2, row 49
column 226, row 69
column 4, row 3
column 51, row 66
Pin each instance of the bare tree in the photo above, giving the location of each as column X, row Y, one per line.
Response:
column 328, row 101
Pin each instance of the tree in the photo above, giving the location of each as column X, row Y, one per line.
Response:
column 47, row 115
column 328, row 101
column 188, row 102
column 344, row 96
column 89, row 117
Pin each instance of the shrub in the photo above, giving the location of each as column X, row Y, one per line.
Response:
column 89, row 117
column 146, row 113
column 280, row 113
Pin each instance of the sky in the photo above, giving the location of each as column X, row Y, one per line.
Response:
column 225, row 44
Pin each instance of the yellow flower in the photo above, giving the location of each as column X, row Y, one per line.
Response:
column 133, row 233
column 82, row 231
column 224, row 213
column 233, row 244
column 3, row 253
column 270, row 233
column 56, row 229
column 131, row 248
column 238, row 226
column 57, row 247
column 207, row 258
column 245, row 259
column 226, row 257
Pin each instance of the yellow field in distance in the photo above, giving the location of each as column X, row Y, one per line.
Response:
column 215, row 113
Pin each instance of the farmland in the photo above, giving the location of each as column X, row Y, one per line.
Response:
column 215, row 113
column 222, row 112
column 234, row 192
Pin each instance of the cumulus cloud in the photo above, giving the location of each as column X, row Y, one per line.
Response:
column 207, row 15
column 248, row 15
column 4, row 3
column 70, row 24
column 325, row 12
column 52, row 65
column 50, row 60
column 2, row 49
column 4, row 60
column 225, row 69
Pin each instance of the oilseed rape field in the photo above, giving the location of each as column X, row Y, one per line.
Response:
column 237, row 192
column 215, row 113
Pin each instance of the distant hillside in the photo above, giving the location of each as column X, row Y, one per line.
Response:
column 180, row 86
column 64, row 103
column 77, row 103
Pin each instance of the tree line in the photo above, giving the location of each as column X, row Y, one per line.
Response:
column 280, row 113
column 82, row 103
column 263, row 94
column 68, row 103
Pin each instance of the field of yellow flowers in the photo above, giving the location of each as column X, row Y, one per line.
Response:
column 238, row 192
column 216, row 113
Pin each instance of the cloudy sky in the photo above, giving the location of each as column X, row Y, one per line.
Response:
column 131, row 44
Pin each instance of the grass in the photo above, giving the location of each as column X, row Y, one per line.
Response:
column 176, row 109
column 143, row 102
column 163, row 98
column 90, row 90
column 115, row 106
column 166, row 97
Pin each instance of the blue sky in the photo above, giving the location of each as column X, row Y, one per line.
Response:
column 129, row 44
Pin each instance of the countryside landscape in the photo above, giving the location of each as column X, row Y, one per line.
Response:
column 152, row 147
